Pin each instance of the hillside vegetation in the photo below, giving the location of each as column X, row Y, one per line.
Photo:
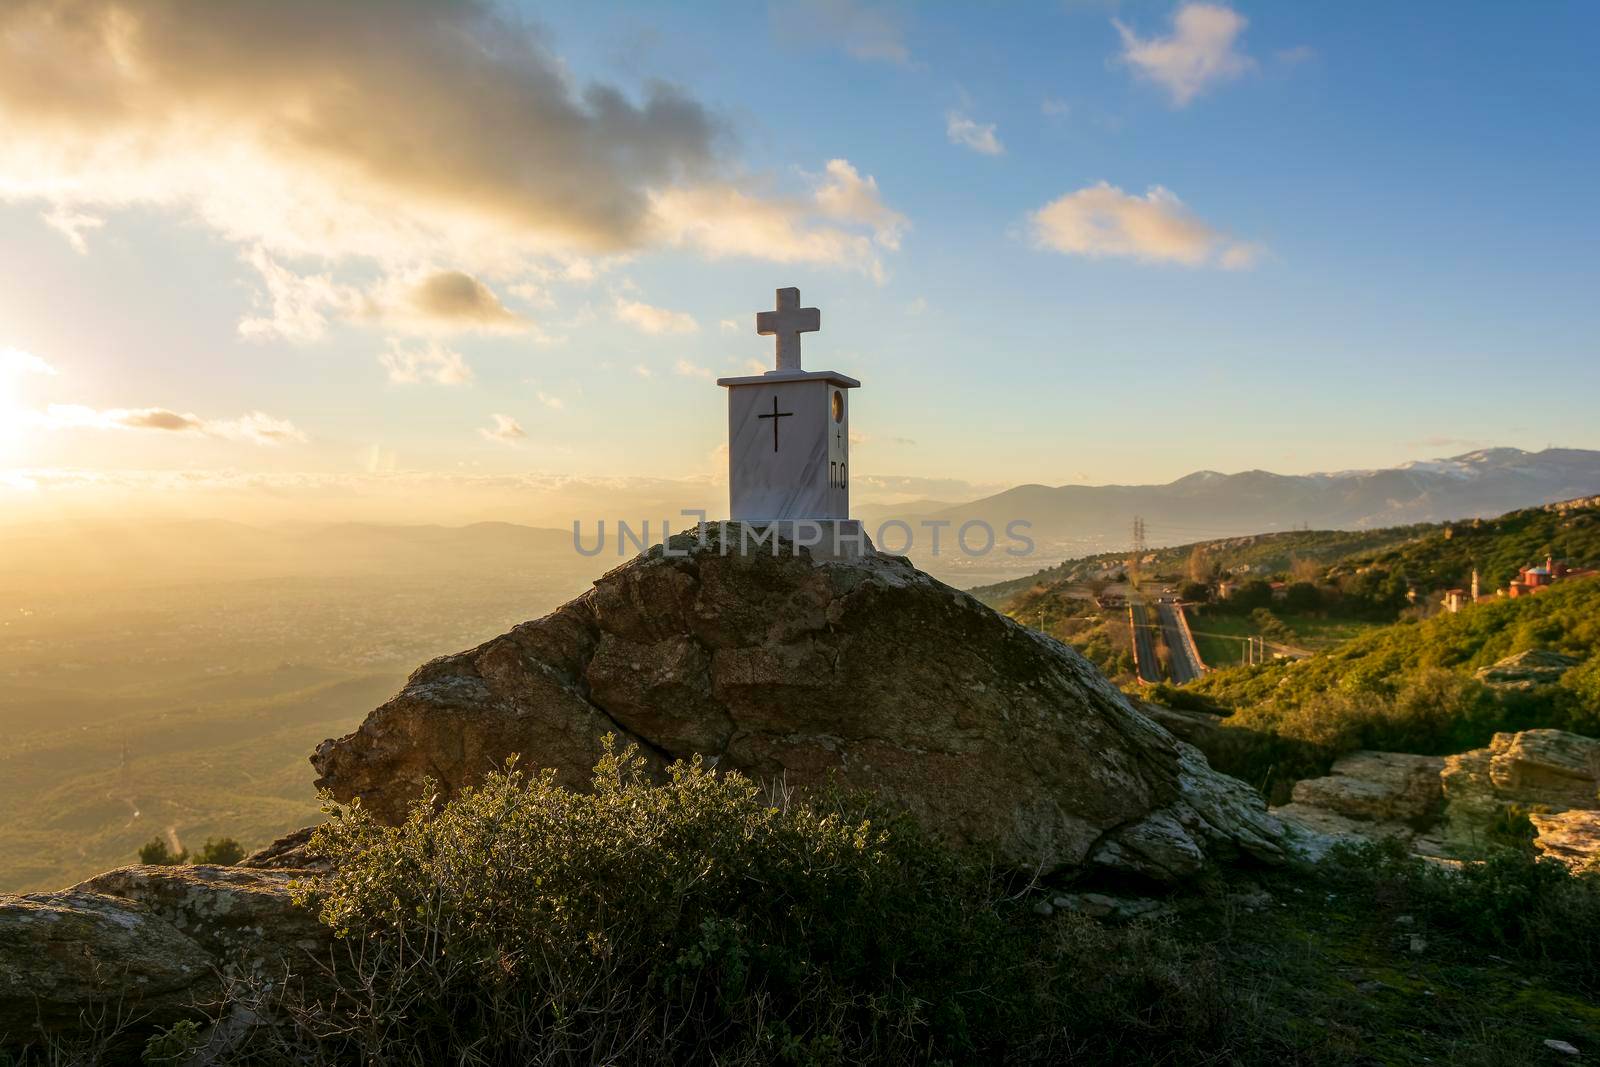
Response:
column 1407, row 687
column 1266, row 553
column 707, row 921
column 1498, row 548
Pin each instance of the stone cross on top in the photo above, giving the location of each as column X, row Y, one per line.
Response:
column 789, row 429
column 787, row 323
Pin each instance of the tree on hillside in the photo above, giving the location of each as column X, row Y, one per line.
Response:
column 219, row 851
column 1376, row 590
column 1302, row 597
column 1304, row 570
column 1256, row 593
column 156, row 852
column 222, row 851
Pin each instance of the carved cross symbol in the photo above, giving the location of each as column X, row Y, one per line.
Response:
column 787, row 324
column 775, row 415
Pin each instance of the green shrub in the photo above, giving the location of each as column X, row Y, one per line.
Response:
column 222, row 851
column 1513, row 902
column 172, row 1046
column 688, row 921
column 155, row 851
column 1407, row 687
column 702, row 921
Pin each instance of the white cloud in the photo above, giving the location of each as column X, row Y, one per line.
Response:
column 1242, row 255
column 864, row 31
column 1054, row 107
column 692, row 370
column 729, row 326
column 730, row 220
column 73, row 225
column 653, row 320
column 504, row 429
column 409, row 364
column 257, row 428
column 642, row 371
column 254, row 427
column 1102, row 220
column 980, row 137
column 845, row 195
column 298, row 307
column 14, row 361
column 295, row 307
column 1196, row 55
column 549, row 400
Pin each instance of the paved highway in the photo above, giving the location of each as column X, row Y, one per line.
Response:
column 1144, row 643
column 1183, row 657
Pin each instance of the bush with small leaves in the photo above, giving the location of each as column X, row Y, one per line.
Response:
column 172, row 1046
column 155, row 851
column 221, row 851
column 702, row 920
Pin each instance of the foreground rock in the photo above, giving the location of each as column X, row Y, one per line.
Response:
column 1533, row 771
column 79, row 953
column 797, row 671
column 1573, row 837
column 1458, row 805
column 1372, row 795
column 147, row 943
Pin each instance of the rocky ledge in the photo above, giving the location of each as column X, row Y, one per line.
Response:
column 147, row 945
column 1456, row 806
column 796, row 671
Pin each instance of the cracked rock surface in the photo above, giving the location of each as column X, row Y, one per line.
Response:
column 790, row 670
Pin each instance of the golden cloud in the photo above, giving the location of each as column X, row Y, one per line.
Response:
column 431, row 137
column 1102, row 220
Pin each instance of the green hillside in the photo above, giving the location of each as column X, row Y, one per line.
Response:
column 1446, row 555
column 1429, row 555
column 1267, row 553
column 1407, row 687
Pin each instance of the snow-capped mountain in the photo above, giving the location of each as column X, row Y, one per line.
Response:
column 1209, row 504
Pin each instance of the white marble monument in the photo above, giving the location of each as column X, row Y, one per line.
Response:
column 789, row 430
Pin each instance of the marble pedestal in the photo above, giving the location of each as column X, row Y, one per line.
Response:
column 789, row 445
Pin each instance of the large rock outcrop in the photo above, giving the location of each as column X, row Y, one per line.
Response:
column 147, row 945
column 797, row 670
column 1371, row 795
column 1460, row 805
column 1532, row 771
column 1573, row 837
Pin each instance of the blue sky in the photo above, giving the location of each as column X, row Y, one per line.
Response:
column 1372, row 241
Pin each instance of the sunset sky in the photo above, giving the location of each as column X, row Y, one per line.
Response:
column 444, row 261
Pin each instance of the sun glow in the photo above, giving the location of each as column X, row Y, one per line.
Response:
column 14, row 364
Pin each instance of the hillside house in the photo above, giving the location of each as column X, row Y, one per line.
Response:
column 1531, row 580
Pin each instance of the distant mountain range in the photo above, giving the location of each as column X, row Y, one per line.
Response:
column 1207, row 504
